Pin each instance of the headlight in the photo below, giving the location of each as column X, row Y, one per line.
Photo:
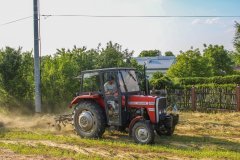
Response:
column 162, row 111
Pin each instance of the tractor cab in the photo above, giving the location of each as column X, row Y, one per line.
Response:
column 113, row 86
column 112, row 97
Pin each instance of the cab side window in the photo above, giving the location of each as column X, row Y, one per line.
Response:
column 91, row 82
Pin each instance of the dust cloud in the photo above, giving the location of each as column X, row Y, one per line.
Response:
column 43, row 122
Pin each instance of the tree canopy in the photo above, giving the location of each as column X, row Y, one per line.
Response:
column 235, row 55
column 215, row 61
column 58, row 71
column 169, row 53
column 113, row 55
column 189, row 64
column 219, row 61
column 236, row 40
column 150, row 53
column 16, row 70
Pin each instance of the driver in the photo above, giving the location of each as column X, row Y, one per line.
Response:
column 110, row 86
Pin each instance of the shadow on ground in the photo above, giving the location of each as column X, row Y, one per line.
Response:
column 183, row 142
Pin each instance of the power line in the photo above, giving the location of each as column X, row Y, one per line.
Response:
column 120, row 16
column 138, row 16
column 17, row 20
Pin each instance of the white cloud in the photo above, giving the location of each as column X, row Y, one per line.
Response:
column 212, row 21
column 208, row 21
column 196, row 21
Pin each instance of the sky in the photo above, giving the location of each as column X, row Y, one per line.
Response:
column 164, row 34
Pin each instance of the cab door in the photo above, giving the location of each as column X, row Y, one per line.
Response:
column 112, row 98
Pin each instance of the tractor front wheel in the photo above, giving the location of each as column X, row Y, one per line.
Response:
column 143, row 133
column 166, row 131
column 89, row 120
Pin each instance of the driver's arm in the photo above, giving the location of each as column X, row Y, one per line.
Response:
column 115, row 91
column 107, row 91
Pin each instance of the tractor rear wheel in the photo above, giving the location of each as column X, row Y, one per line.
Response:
column 89, row 120
column 143, row 132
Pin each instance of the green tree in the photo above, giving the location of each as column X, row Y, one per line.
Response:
column 235, row 58
column 113, row 56
column 169, row 53
column 16, row 70
column 9, row 67
column 157, row 75
column 219, row 60
column 236, row 40
column 189, row 64
column 59, row 72
column 134, row 64
column 150, row 53
column 26, row 75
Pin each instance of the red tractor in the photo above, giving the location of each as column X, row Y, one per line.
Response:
column 112, row 98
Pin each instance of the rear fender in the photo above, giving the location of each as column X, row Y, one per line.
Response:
column 133, row 121
column 95, row 97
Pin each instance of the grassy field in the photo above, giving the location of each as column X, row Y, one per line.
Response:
column 198, row 136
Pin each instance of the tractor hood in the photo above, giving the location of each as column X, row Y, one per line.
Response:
column 141, row 100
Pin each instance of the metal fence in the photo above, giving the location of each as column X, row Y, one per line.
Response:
column 203, row 99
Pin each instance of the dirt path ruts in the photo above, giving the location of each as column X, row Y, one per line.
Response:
column 103, row 152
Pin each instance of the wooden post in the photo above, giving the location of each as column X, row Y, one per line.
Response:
column 238, row 98
column 193, row 98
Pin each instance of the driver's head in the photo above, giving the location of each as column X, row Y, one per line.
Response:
column 111, row 79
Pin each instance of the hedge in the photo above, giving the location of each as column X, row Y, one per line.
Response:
column 212, row 86
column 234, row 79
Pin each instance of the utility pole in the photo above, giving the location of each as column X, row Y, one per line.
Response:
column 36, row 57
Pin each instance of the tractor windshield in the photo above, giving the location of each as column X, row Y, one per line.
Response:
column 128, row 81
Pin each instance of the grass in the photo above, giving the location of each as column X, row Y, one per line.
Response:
column 48, row 151
column 198, row 136
column 195, row 147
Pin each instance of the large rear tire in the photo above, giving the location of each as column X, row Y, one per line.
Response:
column 89, row 120
column 143, row 132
